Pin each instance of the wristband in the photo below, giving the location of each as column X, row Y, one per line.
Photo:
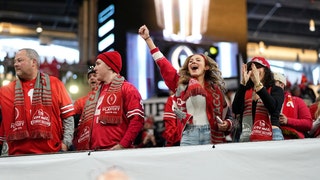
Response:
column 147, row 38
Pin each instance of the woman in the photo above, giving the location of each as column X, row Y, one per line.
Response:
column 199, row 100
column 258, row 102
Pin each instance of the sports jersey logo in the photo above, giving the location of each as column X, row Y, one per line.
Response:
column 111, row 99
column 41, row 118
column 17, row 113
column 85, row 135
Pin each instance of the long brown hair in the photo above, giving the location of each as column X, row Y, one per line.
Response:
column 213, row 75
column 317, row 113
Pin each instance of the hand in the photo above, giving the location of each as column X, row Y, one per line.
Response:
column 255, row 76
column 223, row 126
column 117, row 147
column 245, row 74
column 144, row 32
column 64, row 147
column 283, row 119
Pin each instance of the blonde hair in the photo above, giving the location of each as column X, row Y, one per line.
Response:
column 213, row 75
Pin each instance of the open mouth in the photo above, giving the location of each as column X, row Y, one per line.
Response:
column 194, row 67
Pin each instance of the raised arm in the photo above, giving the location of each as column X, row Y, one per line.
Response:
column 144, row 33
column 168, row 72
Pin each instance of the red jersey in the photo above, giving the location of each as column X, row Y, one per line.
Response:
column 61, row 108
column 79, row 104
column 107, row 136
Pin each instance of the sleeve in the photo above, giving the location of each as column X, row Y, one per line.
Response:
column 65, row 102
column 273, row 102
column 238, row 101
column 171, row 133
column 66, row 111
column 133, row 109
column 78, row 106
column 167, row 71
column 313, row 109
column 303, row 122
column 2, row 135
column 68, row 129
column 229, row 120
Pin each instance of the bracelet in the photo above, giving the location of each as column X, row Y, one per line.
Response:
column 257, row 86
column 147, row 38
column 243, row 83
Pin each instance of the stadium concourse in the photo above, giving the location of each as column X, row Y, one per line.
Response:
column 290, row 159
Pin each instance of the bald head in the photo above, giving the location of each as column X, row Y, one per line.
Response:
column 113, row 174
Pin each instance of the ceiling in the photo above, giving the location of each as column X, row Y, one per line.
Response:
column 276, row 22
column 59, row 18
column 284, row 22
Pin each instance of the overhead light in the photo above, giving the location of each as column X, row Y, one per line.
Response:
column 261, row 47
column 182, row 20
column 39, row 28
column 312, row 26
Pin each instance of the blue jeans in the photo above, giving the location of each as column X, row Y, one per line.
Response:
column 277, row 134
column 196, row 135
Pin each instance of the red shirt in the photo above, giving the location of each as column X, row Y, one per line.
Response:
column 61, row 109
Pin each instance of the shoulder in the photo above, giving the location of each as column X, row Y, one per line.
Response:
column 7, row 87
column 83, row 98
column 54, row 81
column 128, row 86
column 314, row 105
column 275, row 88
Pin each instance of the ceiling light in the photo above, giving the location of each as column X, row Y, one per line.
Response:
column 312, row 25
column 182, row 20
column 39, row 28
column 261, row 47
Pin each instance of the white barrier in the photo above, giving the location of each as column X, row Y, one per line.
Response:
column 289, row 159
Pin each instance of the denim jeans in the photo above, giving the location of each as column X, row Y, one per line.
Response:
column 196, row 135
column 277, row 134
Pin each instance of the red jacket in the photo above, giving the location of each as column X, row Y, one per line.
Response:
column 298, row 115
column 313, row 108
column 171, row 78
column 173, row 126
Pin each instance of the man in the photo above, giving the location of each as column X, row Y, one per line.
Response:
column 37, row 111
column 113, row 115
column 80, row 103
column 295, row 118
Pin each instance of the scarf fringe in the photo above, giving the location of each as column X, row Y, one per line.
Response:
column 194, row 88
column 18, row 135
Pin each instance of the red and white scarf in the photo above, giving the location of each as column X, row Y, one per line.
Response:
column 111, row 112
column 259, row 128
column 40, row 124
column 216, row 105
